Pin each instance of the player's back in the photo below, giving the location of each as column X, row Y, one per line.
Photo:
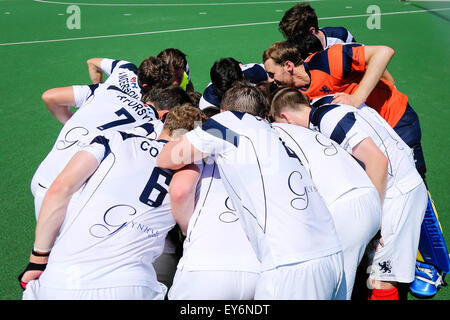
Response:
column 215, row 239
column 347, row 125
column 116, row 227
column 328, row 164
column 284, row 216
column 112, row 105
column 336, row 35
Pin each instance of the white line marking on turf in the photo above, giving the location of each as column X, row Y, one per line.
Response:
column 166, row 4
column 210, row 27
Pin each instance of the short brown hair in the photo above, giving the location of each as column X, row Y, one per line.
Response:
column 155, row 73
column 175, row 58
column 299, row 18
column 184, row 118
column 245, row 97
column 287, row 98
column 283, row 51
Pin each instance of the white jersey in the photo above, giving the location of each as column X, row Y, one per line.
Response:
column 348, row 126
column 281, row 211
column 336, row 35
column 112, row 105
column 215, row 239
column 328, row 164
column 116, row 227
column 253, row 73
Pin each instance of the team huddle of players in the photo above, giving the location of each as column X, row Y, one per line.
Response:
column 279, row 180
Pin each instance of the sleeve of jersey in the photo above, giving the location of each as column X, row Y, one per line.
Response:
column 345, row 131
column 212, row 138
column 108, row 65
column 99, row 148
column 354, row 58
column 81, row 94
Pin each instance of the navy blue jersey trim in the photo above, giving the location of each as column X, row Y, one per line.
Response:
column 211, row 96
column 103, row 141
column 217, row 130
column 149, row 127
column 92, row 87
column 317, row 114
column 255, row 74
column 238, row 114
column 114, row 64
column 344, row 125
column 319, row 62
column 130, row 66
column 324, row 100
column 347, row 59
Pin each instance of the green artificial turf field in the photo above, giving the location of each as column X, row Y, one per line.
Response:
column 38, row 51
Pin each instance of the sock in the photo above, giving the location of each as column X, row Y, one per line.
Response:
column 384, row 294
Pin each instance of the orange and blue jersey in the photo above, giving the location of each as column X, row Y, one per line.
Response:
column 340, row 68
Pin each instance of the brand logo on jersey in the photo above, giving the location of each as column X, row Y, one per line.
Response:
column 134, row 83
column 325, row 89
column 385, row 266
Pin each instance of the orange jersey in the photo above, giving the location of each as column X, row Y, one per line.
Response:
column 340, row 68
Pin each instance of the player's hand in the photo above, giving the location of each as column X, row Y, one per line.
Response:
column 345, row 98
column 34, row 269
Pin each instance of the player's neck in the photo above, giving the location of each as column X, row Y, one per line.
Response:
column 321, row 36
column 301, row 78
column 164, row 136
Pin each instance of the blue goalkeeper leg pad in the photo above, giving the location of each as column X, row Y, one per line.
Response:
column 432, row 247
column 427, row 280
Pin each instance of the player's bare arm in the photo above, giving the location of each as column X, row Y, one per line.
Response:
column 177, row 154
column 59, row 101
column 54, row 207
column 375, row 163
column 182, row 194
column 377, row 59
column 95, row 71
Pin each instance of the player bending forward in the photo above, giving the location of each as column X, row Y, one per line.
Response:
column 101, row 245
column 389, row 164
column 283, row 215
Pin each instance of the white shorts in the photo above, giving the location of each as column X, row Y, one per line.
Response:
column 357, row 218
column 35, row 291
column 401, row 222
column 318, row 279
column 213, row 285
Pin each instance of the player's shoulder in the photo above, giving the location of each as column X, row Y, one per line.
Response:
column 254, row 72
column 336, row 32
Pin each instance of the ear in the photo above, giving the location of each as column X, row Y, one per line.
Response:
column 289, row 65
column 312, row 30
column 283, row 118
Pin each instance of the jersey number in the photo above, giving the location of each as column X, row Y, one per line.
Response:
column 121, row 112
column 154, row 192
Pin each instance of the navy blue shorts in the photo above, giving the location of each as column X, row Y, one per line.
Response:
column 408, row 128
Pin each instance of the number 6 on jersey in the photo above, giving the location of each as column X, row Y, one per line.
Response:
column 156, row 189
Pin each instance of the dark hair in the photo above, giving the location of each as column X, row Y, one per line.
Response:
column 287, row 98
column 245, row 97
column 195, row 97
column 211, row 111
column 224, row 73
column 306, row 43
column 166, row 98
column 299, row 18
column 154, row 73
column 176, row 61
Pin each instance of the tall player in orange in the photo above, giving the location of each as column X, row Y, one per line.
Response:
column 352, row 73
